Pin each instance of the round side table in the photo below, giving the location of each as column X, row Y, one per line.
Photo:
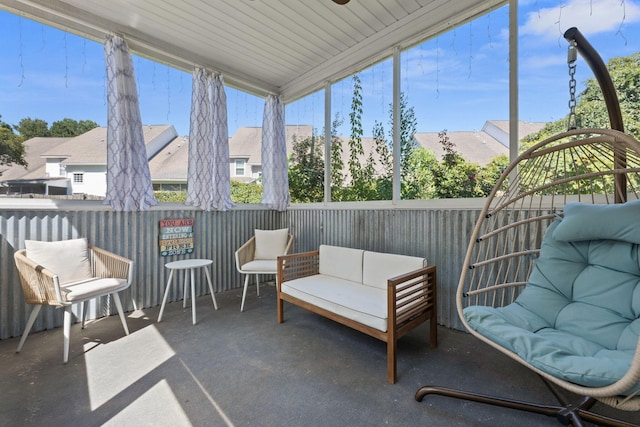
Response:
column 188, row 265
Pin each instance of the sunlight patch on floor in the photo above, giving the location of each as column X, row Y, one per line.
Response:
column 117, row 365
column 161, row 401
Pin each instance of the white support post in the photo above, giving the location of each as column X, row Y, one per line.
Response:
column 514, row 143
column 396, row 126
column 327, row 142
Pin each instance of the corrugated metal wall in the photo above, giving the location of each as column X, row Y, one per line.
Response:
column 440, row 235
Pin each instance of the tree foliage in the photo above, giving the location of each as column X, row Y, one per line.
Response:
column 245, row 193
column 361, row 184
column 591, row 109
column 69, row 127
column 11, row 147
column 31, row 128
column 455, row 177
column 409, row 180
column 240, row 193
column 370, row 175
column 306, row 170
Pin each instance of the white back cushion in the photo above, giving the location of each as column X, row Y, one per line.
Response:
column 69, row 259
column 344, row 263
column 270, row 244
column 379, row 267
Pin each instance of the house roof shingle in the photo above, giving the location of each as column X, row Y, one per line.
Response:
column 34, row 148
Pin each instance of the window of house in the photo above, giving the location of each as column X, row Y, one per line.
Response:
column 78, row 178
column 240, row 167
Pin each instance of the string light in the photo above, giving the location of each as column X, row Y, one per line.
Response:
column 66, row 61
column 624, row 17
column 437, row 67
column 168, row 93
column 489, row 30
column 84, row 54
column 153, row 75
column 21, row 56
column 453, row 42
column 405, row 73
column 558, row 22
column 383, row 92
column 470, row 47
column 42, row 35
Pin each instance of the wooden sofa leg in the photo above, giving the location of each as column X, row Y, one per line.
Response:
column 391, row 362
column 280, row 311
column 433, row 332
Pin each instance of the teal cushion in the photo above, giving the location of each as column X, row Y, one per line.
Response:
column 584, row 221
column 577, row 318
column 558, row 353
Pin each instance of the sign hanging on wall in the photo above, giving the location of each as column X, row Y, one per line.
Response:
column 176, row 236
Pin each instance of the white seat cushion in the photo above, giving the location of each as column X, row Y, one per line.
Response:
column 270, row 244
column 69, row 259
column 265, row 266
column 85, row 289
column 363, row 304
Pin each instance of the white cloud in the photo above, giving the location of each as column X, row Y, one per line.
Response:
column 538, row 62
column 589, row 16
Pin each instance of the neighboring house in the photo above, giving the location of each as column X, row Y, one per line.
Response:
column 478, row 146
column 245, row 150
column 169, row 167
column 73, row 165
column 34, row 179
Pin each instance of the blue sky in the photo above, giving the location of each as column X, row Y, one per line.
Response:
column 456, row 81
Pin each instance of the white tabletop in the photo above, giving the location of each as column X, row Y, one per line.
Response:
column 188, row 263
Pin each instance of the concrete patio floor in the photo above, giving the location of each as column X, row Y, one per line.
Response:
column 245, row 369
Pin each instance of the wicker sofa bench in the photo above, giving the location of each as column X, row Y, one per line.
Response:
column 382, row 295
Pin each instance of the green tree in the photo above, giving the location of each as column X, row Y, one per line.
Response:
column 360, row 183
column 591, row 109
column 240, row 193
column 419, row 180
column 383, row 146
column 337, row 165
column 489, row 175
column 69, row 127
column 31, row 128
column 306, row 170
column 5, row 125
column 454, row 177
column 11, row 148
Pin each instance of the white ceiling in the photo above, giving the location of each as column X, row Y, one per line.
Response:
column 285, row 47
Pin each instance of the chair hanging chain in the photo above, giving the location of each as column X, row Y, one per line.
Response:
column 572, row 56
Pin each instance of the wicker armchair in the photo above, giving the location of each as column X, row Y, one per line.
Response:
column 258, row 255
column 555, row 302
column 107, row 274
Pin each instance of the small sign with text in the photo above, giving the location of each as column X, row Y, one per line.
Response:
column 176, row 236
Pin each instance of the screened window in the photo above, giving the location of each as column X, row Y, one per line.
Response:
column 240, row 164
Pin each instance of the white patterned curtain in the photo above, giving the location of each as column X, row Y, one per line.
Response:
column 208, row 182
column 128, row 179
column 275, row 178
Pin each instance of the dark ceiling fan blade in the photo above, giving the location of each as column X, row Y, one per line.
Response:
column 341, row 1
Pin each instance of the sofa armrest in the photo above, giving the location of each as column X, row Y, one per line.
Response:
column 295, row 266
column 412, row 296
